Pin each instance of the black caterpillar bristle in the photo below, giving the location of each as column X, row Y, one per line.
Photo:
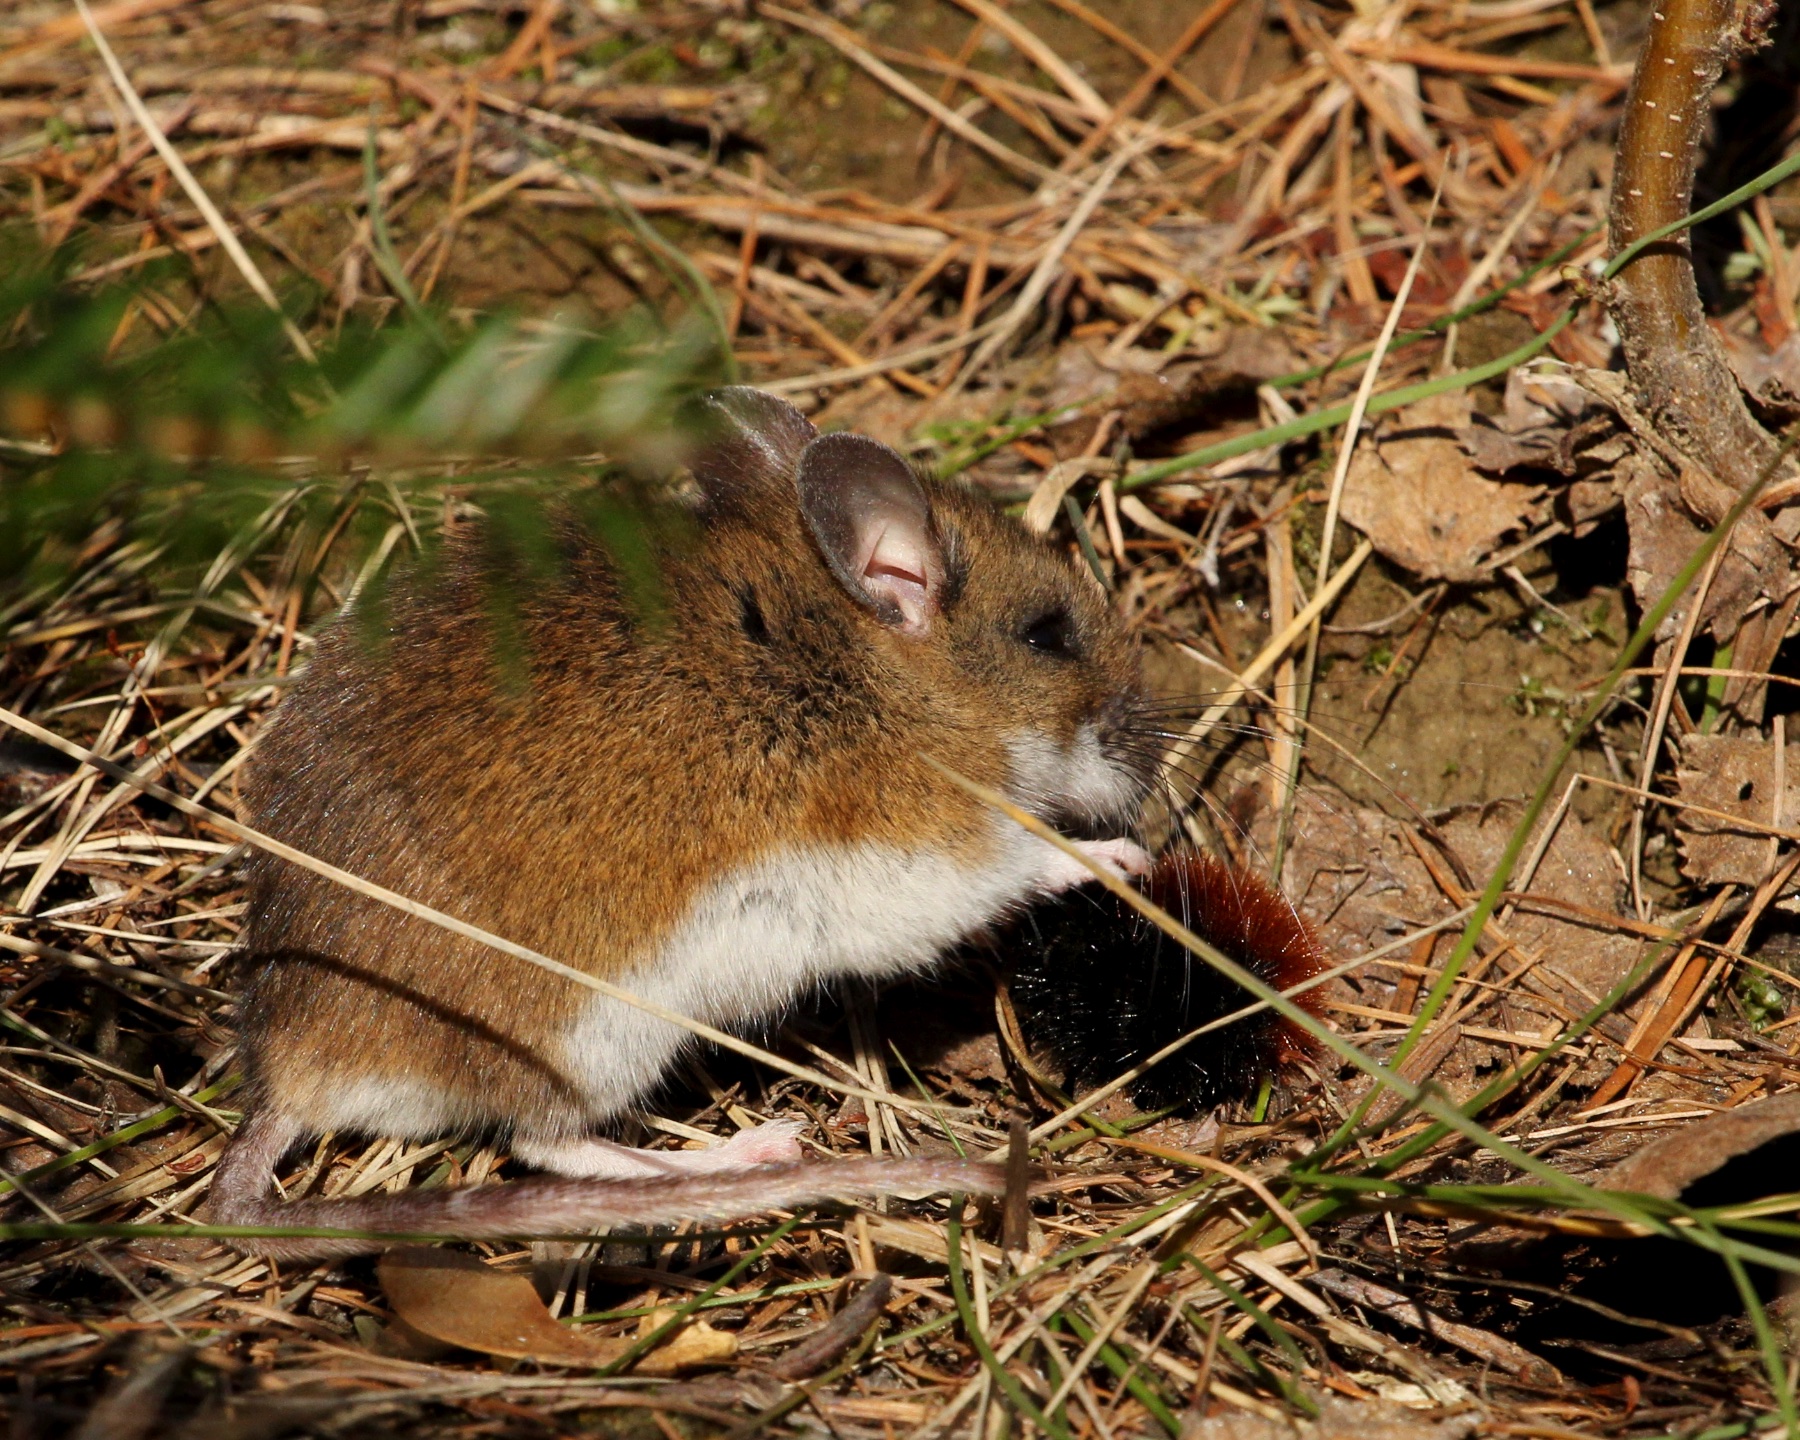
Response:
column 1103, row 989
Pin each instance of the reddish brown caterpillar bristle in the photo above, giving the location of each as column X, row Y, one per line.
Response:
column 1103, row 989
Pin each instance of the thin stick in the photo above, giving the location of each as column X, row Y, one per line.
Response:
column 740, row 283
column 899, row 360
column 1241, row 1177
column 922, row 277
column 1158, row 71
column 1474, row 62
column 202, row 201
column 1033, row 48
column 1035, row 288
column 840, row 39
column 459, row 191
column 1353, row 425
column 1271, row 652
column 531, row 35
column 1729, row 951
column 1194, row 95
column 1354, row 264
column 1140, row 1282
column 1659, row 718
column 928, row 133
column 1294, row 145
column 91, row 965
column 1638, row 1051
column 1497, row 252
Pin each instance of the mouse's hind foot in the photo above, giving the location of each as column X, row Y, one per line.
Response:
column 590, row 1158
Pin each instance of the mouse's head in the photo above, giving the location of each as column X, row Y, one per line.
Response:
column 986, row 647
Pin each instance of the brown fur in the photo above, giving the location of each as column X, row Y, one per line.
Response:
column 582, row 818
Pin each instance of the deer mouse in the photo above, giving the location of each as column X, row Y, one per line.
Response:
column 717, row 808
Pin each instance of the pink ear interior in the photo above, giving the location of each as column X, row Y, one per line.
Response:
column 872, row 520
column 898, row 569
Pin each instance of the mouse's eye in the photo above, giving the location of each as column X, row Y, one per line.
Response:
column 1050, row 633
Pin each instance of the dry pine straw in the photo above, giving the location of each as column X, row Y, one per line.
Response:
column 1285, row 187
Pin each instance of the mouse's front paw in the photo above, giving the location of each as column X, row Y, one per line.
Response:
column 1062, row 871
column 1126, row 856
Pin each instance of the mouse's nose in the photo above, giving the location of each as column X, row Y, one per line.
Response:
column 1119, row 726
column 1117, row 712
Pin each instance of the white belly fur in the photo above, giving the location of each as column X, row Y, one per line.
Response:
column 766, row 933
column 759, row 937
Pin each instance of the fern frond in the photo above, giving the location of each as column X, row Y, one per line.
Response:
column 182, row 440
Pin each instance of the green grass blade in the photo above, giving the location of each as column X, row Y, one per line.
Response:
column 1008, row 1383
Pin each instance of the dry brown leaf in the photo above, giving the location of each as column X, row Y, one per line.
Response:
column 1544, row 393
column 1413, row 490
column 695, row 1346
column 1771, row 376
column 1734, row 774
column 1585, row 503
column 1151, row 391
column 1545, row 417
column 1667, row 1166
column 977, row 1057
column 1497, row 451
column 1353, row 872
column 1660, row 513
column 1577, row 870
column 459, row 1300
column 1663, row 539
column 1553, row 424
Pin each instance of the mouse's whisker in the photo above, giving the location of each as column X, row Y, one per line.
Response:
column 1198, row 798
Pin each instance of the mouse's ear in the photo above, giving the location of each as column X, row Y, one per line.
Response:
column 872, row 520
column 739, row 439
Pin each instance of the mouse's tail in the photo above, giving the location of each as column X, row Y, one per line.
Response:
column 244, row 1193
